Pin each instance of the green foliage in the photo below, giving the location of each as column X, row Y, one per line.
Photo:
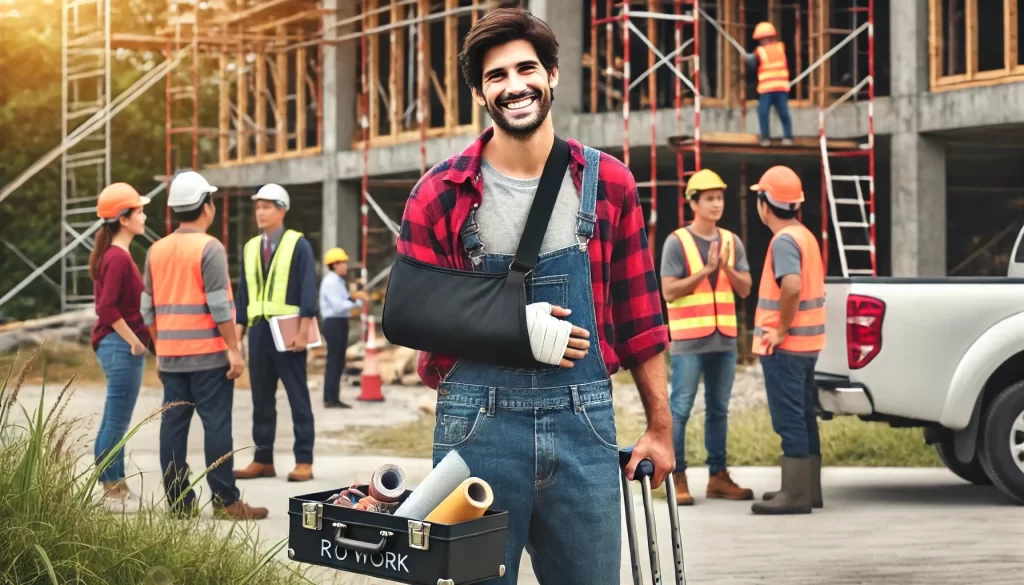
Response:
column 52, row 532
column 30, row 126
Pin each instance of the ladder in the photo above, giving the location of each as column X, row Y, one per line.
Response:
column 852, row 214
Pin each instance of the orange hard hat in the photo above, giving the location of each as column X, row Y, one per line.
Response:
column 764, row 29
column 118, row 198
column 781, row 185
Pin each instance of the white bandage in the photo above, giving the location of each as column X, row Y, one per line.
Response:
column 549, row 335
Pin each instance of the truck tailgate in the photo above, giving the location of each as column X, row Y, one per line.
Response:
column 832, row 360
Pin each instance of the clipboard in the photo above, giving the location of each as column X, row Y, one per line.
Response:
column 284, row 328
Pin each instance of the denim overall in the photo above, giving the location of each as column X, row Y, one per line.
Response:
column 544, row 439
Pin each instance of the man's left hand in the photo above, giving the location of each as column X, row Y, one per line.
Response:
column 771, row 338
column 655, row 445
column 299, row 342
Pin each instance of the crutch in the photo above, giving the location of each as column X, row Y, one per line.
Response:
column 644, row 472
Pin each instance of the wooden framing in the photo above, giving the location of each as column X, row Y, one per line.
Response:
column 940, row 31
column 438, row 80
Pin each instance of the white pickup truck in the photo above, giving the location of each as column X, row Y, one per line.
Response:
column 944, row 354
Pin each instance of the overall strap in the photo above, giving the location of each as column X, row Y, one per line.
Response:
column 587, row 216
column 471, row 241
column 540, row 212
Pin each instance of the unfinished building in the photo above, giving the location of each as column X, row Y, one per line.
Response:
column 906, row 116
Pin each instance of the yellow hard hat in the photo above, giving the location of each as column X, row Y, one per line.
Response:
column 764, row 29
column 703, row 180
column 335, row 255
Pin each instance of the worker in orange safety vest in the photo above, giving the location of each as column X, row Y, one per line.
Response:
column 789, row 333
column 188, row 306
column 703, row 268
column 772, row 82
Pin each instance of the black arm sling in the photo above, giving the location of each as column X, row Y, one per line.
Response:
column 475, row 316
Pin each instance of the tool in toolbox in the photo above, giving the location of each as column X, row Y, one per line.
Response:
column 644, row 472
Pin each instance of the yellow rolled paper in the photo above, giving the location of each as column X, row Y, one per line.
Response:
column 470, row 500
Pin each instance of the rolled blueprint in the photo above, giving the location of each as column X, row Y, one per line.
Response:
column 470, row 500
column 387, row 483
column 439, row 483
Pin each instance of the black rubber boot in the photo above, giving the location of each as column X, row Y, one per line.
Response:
column 816, row 499
column 795, row 497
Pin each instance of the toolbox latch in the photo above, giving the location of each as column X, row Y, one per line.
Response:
column 419, row 535
column 312, row 515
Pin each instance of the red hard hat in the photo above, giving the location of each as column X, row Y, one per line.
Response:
column 781, row 185
column 117, row 198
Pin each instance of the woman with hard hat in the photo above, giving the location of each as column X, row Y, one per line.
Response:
column 336, row 306
column 119, row 336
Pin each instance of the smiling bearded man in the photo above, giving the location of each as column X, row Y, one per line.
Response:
column 544, row 437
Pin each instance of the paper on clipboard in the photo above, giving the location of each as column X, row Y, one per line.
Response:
column 284, row 329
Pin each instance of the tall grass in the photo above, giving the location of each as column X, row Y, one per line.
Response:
column 52, row 531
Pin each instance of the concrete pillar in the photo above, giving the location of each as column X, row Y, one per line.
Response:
column 918, row 162
column 340, row 68
column 566, row 19
column 343, row 227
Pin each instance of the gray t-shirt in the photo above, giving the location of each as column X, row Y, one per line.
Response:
column 215, row 283
column 506, row 205
column 673, row 263
column 786, row 260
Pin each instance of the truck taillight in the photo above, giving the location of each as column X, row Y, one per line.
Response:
column 863, row 329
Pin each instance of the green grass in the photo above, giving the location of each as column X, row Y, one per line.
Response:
column 51, row 532
column 845, row 441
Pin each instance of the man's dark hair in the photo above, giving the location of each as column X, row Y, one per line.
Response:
column 192, row 214
column 502, row 26
column 778, row 211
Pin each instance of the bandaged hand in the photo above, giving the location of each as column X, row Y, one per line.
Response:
column 553, row 340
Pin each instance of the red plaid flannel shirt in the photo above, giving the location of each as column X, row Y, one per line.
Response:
column 627, row 298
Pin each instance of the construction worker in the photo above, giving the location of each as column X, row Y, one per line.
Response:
column 186, row 304
column 789, row 332
column 336, row 305
column 279, row 279
column 772, row 82
column 703, row 268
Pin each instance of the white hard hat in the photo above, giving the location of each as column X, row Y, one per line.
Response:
column 273, row 192
column 187, row 191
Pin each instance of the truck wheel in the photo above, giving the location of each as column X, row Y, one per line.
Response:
column 1001, row 450
column 971, row 472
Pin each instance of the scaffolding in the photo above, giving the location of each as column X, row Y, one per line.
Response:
column 841, row 193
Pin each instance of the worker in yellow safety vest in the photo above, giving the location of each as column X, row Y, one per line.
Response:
column 772, row 82
column 703, row 268
column 278, row 280
column 789, row 332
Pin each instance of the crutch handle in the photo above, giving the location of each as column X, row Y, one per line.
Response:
column 643, row 469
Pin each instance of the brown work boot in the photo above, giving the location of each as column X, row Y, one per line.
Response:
column 683, row 497
column 254, row 470
column 239, row 511
column 302, row 472
column 720, row 485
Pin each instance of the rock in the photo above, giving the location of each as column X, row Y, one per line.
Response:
column 412, row 379
column 427, row 403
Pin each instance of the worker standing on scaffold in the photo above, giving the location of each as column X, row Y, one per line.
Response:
column 278, row 279
column 772, row 82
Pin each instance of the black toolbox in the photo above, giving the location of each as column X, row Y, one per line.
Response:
column 395, row 548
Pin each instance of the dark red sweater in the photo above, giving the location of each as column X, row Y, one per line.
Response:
column 118, row 291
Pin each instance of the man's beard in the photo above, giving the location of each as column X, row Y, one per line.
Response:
column 525, row 128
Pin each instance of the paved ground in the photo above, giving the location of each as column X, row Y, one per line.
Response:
column 892, row 526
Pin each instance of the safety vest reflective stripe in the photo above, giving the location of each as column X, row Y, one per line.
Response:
column 807, row 331
column 702, row 312
column 260, row 304
column 772, row 70
column 184, row 325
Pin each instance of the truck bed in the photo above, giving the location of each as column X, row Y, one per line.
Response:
column 927, row 327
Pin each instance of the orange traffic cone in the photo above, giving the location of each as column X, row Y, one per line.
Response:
column 369, row 381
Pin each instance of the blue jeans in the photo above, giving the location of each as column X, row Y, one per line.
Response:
column 779, row 99
column 123, row 372
column 792, row 402
column 719, row 369
column 211, row 394
column 544, row 437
